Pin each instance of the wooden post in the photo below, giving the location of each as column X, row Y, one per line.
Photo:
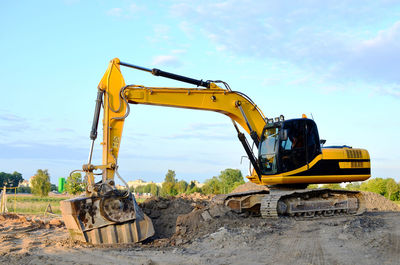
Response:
column 3, row 201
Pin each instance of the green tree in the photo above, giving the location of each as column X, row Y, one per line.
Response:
column 168, row 187
column 170, row 176
column 377, row 185
column 74, row 184
column 332, row 186
column 53, row 187
column 191, row 185
column 24, row 190
column 10, row 180
column 181, row 186
column 154, row 189
column 392, row 189
column 212, row 186
column 192, row 188
column 353, row 186
column 312, row 186
column 140, row 189
column 41, row 183
column 230, row 179
column 224, row 183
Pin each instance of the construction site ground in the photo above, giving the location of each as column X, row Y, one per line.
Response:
column 192, row 230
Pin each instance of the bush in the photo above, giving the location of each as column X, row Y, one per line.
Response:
column 24, row 190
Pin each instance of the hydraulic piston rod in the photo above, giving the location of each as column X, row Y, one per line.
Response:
column 158, row 72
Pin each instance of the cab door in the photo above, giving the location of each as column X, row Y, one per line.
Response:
column 293, row 151
column 312, row 140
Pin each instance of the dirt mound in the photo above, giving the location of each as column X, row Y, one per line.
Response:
column 14, row 222
column 201, row 222
column 196, row 196
column 180, row 219
column 249, row 186
column 165, row 211
column 377, row 202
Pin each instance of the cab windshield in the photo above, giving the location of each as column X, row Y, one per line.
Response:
column 268, row 151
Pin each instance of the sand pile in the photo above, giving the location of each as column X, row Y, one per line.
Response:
column 195, row 196
column 377, row 202
column 14, row 222
column 249, row 186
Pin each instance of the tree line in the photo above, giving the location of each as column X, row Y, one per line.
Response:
column 225, row 182
column 387, row 187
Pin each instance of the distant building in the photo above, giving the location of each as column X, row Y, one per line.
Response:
column 139, row 182
column 25, row 183
column 198, row 184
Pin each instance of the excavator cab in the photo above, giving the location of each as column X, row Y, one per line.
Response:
column 288, row 145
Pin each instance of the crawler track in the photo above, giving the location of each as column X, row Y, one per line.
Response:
column 303, row 204
column 297, row 203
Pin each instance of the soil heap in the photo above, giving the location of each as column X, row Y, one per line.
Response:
column 249, row 186
column 377, row 202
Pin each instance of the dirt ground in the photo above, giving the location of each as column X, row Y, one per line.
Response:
column 190, row 230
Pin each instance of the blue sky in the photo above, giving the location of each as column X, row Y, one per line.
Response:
column 336, row 60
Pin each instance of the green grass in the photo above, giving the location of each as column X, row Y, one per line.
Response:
column 396, row 202
column 30, row 204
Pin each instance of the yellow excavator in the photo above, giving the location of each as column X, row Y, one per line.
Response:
column 290, row 157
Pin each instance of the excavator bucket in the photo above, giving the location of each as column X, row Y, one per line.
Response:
column 112, row 218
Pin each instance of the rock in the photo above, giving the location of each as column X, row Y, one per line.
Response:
column 56, row 222
column 163, row 205
column 218, row 210
column 206, row 216
column 23, row 219
column 343, row 237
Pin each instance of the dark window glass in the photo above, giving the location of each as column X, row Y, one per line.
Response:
column 293, row 150
column 268, row 150
column 313, row 144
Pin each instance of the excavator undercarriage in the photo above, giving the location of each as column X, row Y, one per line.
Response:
column 299, row 203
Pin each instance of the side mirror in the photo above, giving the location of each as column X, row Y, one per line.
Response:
column 284, row 134
column 322, row 141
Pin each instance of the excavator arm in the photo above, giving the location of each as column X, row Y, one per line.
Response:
column 117, row 95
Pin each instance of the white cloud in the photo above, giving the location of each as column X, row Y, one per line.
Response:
column 166, row 60
column 393, row 90
column 125, row 12
column 178, row 51
column 71, row 2
column 115, row 12
column 377, row 58
column 133, row 8
column 338, row 41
